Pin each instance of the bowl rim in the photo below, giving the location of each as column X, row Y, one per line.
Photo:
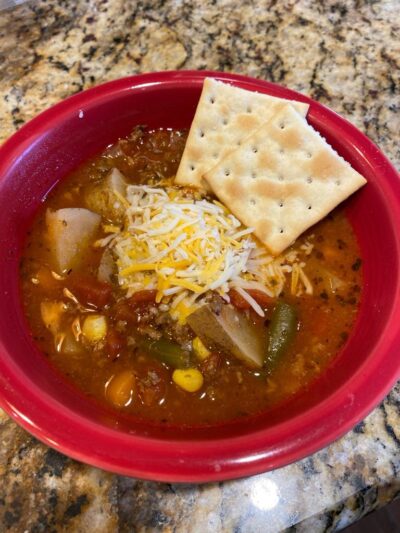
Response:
column 200, row 461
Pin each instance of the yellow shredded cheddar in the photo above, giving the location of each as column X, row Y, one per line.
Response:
column 183, row 246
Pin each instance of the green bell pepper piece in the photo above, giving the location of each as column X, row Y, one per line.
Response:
column 165, row 351
column 281, row 332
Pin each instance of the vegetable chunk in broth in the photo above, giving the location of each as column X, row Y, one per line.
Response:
column 165, row 307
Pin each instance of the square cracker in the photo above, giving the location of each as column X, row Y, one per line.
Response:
column 225, row 116
column 283, row 179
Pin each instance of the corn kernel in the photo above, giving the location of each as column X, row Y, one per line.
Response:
column 95, row 328
column 188, row 379
column 201, row 351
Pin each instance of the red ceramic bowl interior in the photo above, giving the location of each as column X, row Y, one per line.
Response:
column 36, row 396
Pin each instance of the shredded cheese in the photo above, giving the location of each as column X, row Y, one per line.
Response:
column 184, row 246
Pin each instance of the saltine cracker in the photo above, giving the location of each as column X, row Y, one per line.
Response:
column 283, row 179
column 226, row 115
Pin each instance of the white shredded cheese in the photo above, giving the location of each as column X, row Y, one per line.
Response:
column 183, row 247
column 251, row 301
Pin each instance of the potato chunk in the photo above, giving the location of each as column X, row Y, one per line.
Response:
column 70, row 231
column 95, row 328
column 51, row 312
column 230, row 331
column 107, row 267
column 105, row 197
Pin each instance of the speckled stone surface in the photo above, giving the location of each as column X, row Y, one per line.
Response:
column 345, row 54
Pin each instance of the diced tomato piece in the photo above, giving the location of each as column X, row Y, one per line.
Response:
column 123, row 311
column 133, row 309
column 152, row 381
column 261, row 298
column 238, row 301
column 90, row 291
column 114, row 343
column 142, row 297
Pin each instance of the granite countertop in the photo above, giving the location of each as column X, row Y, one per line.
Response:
column 343, row 53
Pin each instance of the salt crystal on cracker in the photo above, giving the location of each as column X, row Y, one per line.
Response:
column 283, row 179
column 225, row 117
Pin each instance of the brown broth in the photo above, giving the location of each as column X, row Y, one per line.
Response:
column 231, row 391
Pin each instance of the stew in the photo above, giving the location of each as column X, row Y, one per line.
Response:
column 171, row 339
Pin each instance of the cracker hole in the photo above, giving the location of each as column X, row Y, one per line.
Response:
column 281, row 230
column 249, row 110
column 281, row 203
column 282, row 125
column 281, row 151
column 225, row 121
column 309, row 180
column 254, row 149
column 191, row 167
column 227, row 172
column 280, row 178
column 201, row 133
column 308, row 155
column 239, row 143
column 212, row 100
column 215, row 156
column 253, row 175
column 338, row 182
column 309, row 207
column 252, row 201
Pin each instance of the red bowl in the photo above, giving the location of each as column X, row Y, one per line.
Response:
column 37, row 396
